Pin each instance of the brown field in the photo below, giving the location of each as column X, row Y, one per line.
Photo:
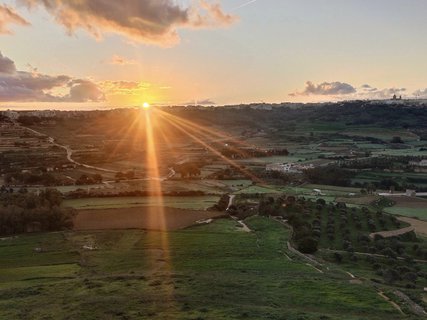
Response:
column 150, row 218
column 419, row 225
column 410, row 202
column 365, row 200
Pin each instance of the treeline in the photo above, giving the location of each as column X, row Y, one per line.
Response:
column 382, row 163
column 245, row 153
column 29, row 212
column 30, row 178
column 189, row 169
column 89, row 179
column 330, row 175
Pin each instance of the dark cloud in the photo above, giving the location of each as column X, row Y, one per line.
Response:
column 326, row 89
column 85, row 90
column 149, row 21
column 6, row 65
column 29, row 86
column 368, row 88
column 9, row 16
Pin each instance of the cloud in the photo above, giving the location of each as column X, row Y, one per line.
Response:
column 10, row 16
column 421, row 93
column 369, row 92
column 147, row 21
column 214, row 16
column 6, row 65
column 205, row 102
column 118, row 60
column 124, row 87
column 83, row 91
column 325, row 89
column 368, row 88
column 21, row 86
column 340, row 90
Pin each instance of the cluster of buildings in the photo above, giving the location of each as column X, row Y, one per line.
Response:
column 288, row 167
column 419, row 166
column 422, row 163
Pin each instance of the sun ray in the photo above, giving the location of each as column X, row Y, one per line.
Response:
column 214, row 151
column 157, row 211
column 208, row 131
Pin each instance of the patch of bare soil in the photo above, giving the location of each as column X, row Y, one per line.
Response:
column 420, row 226
column 149, row 218
column 393, row 233
column 410, row 202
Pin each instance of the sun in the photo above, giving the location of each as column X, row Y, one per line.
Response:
column 146, row 105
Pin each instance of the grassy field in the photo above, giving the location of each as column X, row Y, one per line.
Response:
column 206, row 272
column 381, row 133
column 196, row 203
column 408, row 207
column 408, row 212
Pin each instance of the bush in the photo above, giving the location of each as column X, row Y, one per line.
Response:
column 307, row 245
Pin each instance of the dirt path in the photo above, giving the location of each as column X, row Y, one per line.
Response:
column 230, row 201
column 394, row 304
column 420, row 226
column 70, row 152
column 392, row 233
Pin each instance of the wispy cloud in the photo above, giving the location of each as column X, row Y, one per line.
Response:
column 10, row 16
column 119, row 60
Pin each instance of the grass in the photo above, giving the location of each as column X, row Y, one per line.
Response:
column 408, row 212
column 206, row 272
column 196, row 203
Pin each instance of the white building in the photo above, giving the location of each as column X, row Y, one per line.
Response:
column 288, row 167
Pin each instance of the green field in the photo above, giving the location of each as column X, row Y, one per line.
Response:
column 207, row 272
column 196, row 203
column 408, row 212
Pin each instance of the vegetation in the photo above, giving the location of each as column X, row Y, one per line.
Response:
column 132, row 275
column 26, row 212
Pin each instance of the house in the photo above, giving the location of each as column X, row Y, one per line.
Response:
column 411, row 193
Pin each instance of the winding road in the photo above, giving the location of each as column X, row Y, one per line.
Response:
column 70, row 158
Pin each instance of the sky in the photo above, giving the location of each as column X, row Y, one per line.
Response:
column 85, row 53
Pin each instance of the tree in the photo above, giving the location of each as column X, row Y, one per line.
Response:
column 97, row 178
column 307, row 245
column 396, row 139
column 338, row 257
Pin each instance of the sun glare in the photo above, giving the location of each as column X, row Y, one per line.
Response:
column 146, row 105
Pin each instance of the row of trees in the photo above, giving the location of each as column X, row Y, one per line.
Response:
column 29, row 178
column 28, row 212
